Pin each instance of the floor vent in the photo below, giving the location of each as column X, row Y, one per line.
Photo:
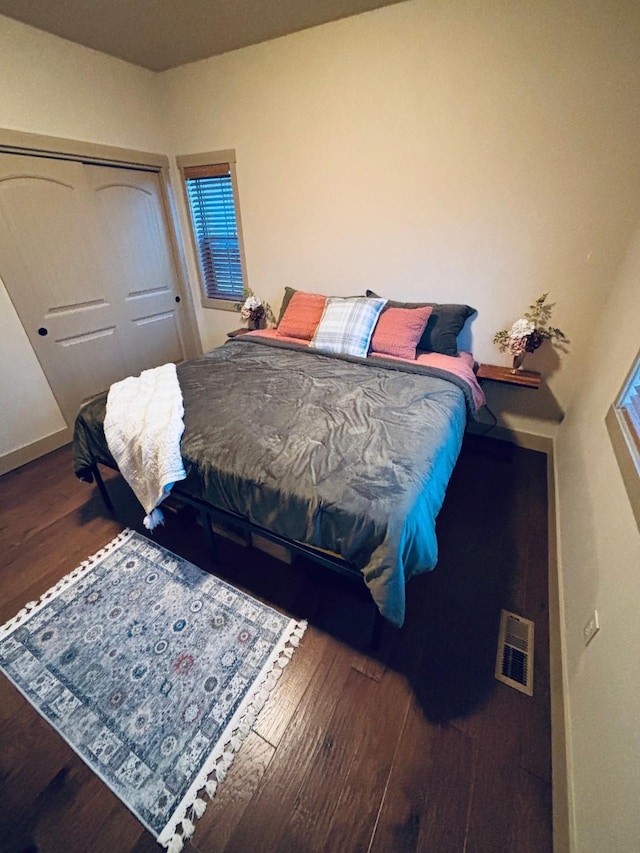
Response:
column 514, row 661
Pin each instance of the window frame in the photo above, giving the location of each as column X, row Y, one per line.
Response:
column 214, row 158
column 625, row 439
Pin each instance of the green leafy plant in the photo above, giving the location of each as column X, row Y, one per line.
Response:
column 531, row 330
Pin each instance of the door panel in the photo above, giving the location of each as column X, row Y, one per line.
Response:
column 156, row 340
column 85, row 257
column 48, row 265
column 131, row 214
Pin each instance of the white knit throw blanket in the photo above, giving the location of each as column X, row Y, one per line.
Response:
column 143, row 426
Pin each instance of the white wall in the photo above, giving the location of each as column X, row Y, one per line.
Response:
column 53, row 87
column 476, row 152
column 600, row 569
column 28, row 410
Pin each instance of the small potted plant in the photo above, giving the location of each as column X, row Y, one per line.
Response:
column 529, row 332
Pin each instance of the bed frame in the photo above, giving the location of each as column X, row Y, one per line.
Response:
column 209, row 514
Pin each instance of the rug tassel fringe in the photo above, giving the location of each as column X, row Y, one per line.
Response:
column 176, row 844
column 188, row 827
column 218, row 768
column 154, row 519
column 199, row 807
column 245, row 727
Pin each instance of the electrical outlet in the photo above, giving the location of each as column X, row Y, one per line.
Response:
column 591, row 628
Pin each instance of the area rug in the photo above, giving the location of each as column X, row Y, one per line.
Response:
column 153, row 671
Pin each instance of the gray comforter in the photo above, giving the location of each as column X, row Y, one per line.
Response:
column 332, row 452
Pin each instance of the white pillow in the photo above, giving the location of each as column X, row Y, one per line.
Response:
column 346, row 325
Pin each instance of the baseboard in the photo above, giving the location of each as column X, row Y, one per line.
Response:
column 562, row 789
column 528, row 440
column 17, row 458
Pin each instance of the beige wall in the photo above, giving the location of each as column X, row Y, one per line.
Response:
column 600, row 569
column 28, row 410
column 56, row 88
column 466, row 151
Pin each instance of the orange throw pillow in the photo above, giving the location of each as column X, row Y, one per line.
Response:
column 302, row 315
column 398, row 331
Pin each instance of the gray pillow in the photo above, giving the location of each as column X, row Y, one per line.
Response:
column 443, row 326
column 286, row 299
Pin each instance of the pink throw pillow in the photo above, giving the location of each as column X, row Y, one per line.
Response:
column 302, row 315
column 399, row 330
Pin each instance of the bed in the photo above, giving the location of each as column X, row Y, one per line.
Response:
column 335, row 453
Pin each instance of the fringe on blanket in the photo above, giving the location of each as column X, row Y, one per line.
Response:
column 143, row 428
column 155, row 517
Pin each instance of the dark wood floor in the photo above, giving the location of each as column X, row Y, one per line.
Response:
column 416, row 749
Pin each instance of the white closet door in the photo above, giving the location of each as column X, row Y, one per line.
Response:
column 78, row 258
column 141, row 270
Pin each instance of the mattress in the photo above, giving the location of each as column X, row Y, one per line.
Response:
column 339, row 453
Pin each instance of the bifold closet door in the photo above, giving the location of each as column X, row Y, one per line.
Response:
column 141, row 269
column 85, row 257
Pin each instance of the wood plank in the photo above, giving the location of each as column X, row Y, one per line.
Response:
column 64, row 816
column 426, row 802
column 499, row 373
column 371, row 737
column 507, row 806
column 288, row 692
column 272, row 805
column 32, row 755
column 225, row 811
column 356, row 750
column 45, row 558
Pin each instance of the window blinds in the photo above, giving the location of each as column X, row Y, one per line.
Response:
column 630, row 405
column 623, row 425
column 213, row 213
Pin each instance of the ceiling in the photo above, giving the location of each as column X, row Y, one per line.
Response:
column 162, row 34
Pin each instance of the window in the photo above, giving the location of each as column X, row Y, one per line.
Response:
column 212, row 200
column 623, row 423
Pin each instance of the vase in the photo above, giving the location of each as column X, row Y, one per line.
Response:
column 252, row 325
column 518, row 361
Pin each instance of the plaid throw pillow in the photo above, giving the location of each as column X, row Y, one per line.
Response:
column 347, row 325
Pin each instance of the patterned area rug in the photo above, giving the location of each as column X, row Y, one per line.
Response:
column 153, row 671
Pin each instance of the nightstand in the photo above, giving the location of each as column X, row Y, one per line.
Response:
column 237, row 332
column 498, row 373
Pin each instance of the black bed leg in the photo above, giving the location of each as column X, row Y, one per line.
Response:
column 207, row 523
column 104, row 494
column 378, row 631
